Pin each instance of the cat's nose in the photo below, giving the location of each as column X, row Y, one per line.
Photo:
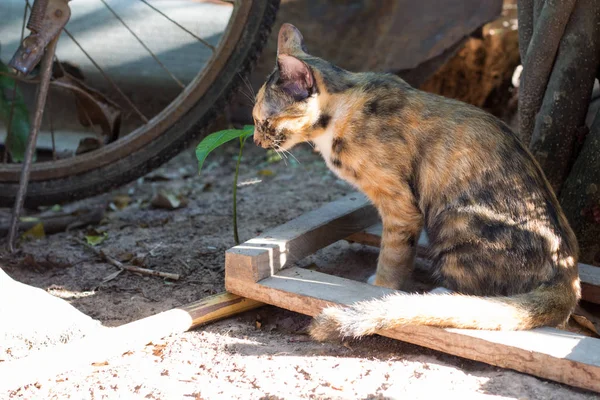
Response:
column 259, row 141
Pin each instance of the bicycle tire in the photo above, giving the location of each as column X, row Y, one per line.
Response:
column 173, row 139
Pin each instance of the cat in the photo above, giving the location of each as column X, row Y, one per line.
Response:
column 499, row 241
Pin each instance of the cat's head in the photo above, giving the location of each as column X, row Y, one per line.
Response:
column 287, row 106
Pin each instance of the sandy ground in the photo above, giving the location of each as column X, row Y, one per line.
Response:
column 263, row 353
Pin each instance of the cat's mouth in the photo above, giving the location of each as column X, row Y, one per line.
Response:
column 270, row 140
column 259, row 140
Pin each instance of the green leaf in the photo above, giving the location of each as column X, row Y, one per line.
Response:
column 214, row 140
column 96, row 238
column 249, row 129
column 19, row 127
column 273, row 156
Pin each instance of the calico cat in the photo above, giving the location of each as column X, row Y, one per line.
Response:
column 499, row 240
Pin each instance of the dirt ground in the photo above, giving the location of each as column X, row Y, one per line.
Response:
column 259, row 354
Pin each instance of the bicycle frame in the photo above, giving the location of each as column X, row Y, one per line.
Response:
column 47, row 19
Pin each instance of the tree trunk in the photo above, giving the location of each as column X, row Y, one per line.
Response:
column 561, row 120
column 580, row 197
column 538, row 52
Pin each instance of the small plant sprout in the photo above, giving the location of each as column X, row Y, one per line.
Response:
column 215, row 140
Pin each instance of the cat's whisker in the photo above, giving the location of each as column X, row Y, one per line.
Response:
column 290, row 153
column 252, row 101
column 283, row 158
column 279, row 151
column 247, row 83
column 252, row 95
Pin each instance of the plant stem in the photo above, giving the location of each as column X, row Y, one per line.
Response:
column 236, row 237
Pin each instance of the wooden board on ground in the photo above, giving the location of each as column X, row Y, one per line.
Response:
column 262, row 269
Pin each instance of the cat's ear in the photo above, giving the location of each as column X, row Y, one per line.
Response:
column 290, row 40
column 296, row 77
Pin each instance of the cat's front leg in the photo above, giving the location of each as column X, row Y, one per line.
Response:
column 396, row 257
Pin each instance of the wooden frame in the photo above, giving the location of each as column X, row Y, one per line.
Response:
column 262, row 269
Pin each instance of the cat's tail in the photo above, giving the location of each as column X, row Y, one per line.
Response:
column 545, row 306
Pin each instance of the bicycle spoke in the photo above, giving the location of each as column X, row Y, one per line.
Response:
column 14, row 93
column 89, row 120
column 164, row 67
column 108, row 79
column 204, row 42
column 52, row 133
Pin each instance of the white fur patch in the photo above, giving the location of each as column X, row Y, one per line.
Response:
column 323, row 143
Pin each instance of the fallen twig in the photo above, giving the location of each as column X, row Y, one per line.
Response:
column 127, row 267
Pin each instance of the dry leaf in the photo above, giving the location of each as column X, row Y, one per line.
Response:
column 158, row 350
column 168, row 200
column 29, row 219
column 587, row 320
column 94, row 107
column 164, row 175
column 112, row 276
column 69, row 68
column 125, row 257
column 120, row 201
column 100, row 364
column 35, row 232
column 266, row 172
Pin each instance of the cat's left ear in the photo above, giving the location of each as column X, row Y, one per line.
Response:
column 290, row 40
column 296, row 77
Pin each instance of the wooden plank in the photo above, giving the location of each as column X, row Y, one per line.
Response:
column 110, row 342
column 590, row 283
column 547, row 353
column 588, row 274
column 266, row 254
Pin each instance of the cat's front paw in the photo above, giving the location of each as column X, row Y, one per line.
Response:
column 371, row 280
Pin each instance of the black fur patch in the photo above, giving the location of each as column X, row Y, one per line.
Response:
column 336, row 162
column 334, row 85
column 412, row 184
column 338, row 145
column 371, row 107
column 385, row 106
column 323, row 121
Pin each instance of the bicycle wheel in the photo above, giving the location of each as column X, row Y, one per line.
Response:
column 166, row 133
